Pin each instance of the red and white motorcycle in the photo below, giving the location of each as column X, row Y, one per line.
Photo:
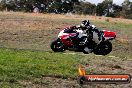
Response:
column 67, row 40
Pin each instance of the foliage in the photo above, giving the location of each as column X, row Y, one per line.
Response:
column 2, row 5
column 106, row 8
column 88, row 8
column 127, row 9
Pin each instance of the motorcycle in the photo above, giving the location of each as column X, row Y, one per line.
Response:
column 67, row 40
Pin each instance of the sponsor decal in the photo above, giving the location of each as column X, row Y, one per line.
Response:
column 102, row 78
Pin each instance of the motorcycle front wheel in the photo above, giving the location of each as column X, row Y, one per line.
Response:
column 57, row 46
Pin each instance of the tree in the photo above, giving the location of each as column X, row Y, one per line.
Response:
column 117, row 10
column 67, row 6
column 62, row 6
column 105, row 8
column 127, row 9
column 55, row 7
column 7, row 5
column 2, row 5
column 85, row 8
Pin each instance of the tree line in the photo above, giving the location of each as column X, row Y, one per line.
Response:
column 106, row 8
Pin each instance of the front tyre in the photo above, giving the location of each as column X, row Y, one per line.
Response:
column 57, row 46
column 104, row 48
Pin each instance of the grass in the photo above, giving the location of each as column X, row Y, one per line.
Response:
column 17, row 65
column 21, row 65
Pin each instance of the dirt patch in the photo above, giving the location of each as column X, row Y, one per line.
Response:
column 48, row 82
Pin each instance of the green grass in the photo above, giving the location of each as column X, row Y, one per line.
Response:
column 21, row 65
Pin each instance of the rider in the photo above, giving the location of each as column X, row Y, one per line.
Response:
column 92, row 32
column 86, row 28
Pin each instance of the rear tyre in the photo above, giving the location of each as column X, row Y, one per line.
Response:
column 57, row 46
column 103, row 48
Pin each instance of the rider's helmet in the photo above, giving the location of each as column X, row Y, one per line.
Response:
column 85, row 23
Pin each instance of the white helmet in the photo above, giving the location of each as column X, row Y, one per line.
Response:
column 85, row 23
